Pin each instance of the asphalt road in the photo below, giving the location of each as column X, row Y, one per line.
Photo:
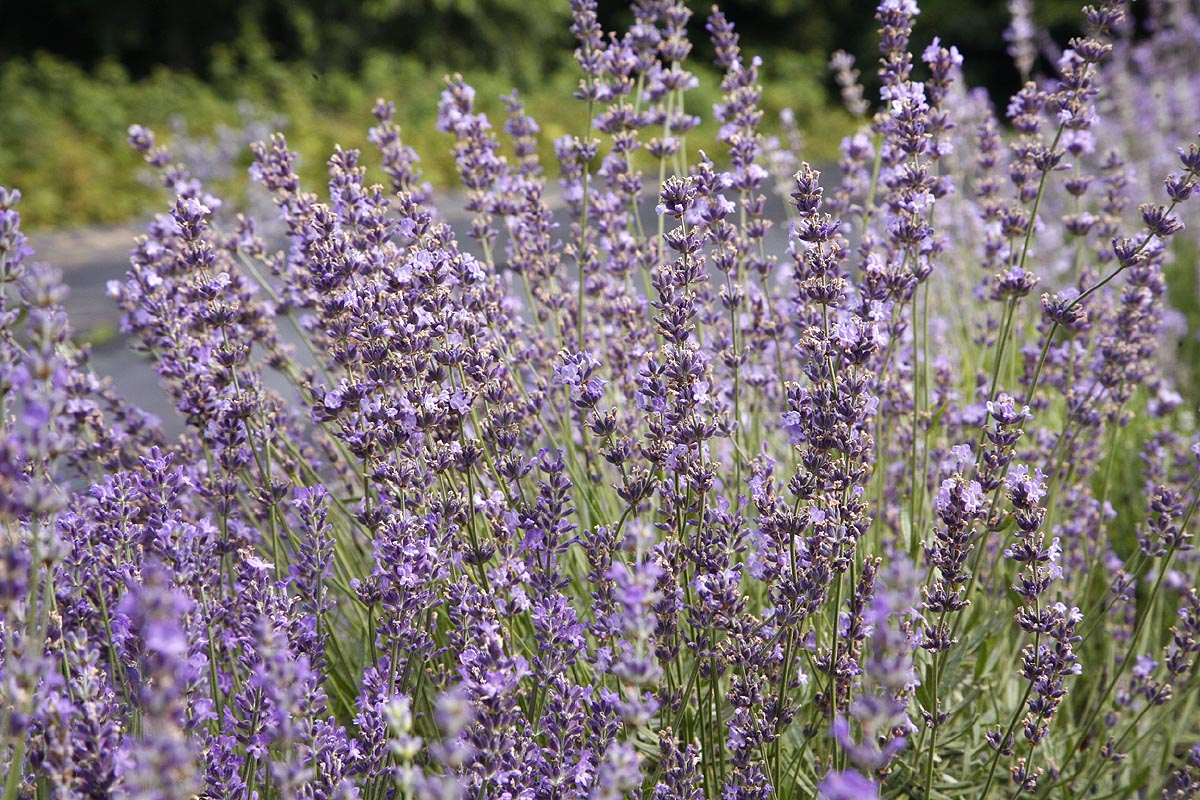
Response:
column 91, row 257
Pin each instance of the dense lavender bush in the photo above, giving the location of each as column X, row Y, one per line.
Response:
column 635, row 508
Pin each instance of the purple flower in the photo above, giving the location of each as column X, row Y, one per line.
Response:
column 676, row 197
column 847, row 785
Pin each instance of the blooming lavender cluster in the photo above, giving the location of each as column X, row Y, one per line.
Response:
column 606, row 499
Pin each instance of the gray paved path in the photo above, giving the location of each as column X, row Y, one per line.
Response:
column 91, row 257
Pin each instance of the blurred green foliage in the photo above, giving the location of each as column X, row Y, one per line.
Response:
column 62, row 129
column 1182, row 275
column 517, row 37
column 75, row 73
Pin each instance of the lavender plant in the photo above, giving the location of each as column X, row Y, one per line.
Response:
column 631, row 506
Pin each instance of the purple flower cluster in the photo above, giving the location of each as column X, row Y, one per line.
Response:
column 630, row 506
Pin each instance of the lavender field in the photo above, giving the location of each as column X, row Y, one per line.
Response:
column 644, row 504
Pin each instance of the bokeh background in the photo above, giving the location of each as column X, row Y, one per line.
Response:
column 211, row 75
